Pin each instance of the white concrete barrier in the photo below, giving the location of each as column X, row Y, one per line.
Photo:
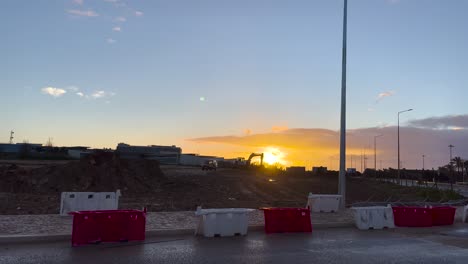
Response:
column 375, row 217
column 323, row 202
column 88, row 201
column 222, row 222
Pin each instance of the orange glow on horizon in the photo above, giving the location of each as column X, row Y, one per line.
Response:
column 272, row 156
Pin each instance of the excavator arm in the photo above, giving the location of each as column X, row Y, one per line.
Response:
column 255, row 155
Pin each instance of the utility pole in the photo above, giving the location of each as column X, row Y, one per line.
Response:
column 342, row 177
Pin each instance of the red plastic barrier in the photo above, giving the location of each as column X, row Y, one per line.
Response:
column 90, row 227
column 412, row 216
column 444, row 215
column 282, row 220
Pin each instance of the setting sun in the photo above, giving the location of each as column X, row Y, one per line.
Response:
column 273, row 156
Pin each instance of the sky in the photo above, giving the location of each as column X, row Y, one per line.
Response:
column 228, row 78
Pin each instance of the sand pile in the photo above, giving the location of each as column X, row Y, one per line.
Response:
column 100, row 172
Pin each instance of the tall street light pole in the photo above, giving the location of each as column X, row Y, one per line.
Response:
column 399, row 178
column 423, row 168
column 451, row 169
column 375, row 153
column 342, row 177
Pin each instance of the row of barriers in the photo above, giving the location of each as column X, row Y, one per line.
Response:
column 378, row 217
column 91, row 227
column 234, row 221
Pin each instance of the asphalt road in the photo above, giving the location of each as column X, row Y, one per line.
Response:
column 338, row 245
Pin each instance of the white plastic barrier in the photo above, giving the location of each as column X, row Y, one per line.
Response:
column 84, row 201
column 222, row 222
column 323, row 202
column 375, row 217
column 465, row 214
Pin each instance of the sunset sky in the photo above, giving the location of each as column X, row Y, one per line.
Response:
column 228, row 78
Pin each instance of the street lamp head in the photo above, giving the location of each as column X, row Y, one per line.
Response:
column 411, row 109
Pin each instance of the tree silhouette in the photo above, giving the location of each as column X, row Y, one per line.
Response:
column 459, row 164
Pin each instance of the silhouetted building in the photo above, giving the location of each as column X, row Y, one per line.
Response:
column 319, row 169
column 164, row 154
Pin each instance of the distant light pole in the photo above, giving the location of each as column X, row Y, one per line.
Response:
column 375, row 153
column 399, row 178
column 342, row 177
column 423, row 167
column 423, row 160
column 450, row 164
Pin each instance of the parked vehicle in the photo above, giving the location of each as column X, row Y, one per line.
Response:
column 210, row 165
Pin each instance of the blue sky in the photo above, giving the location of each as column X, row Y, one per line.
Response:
column 141, row 67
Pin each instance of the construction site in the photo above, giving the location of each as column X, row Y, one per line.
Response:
column 34, row 186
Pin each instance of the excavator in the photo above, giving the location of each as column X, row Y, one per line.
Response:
column 255, row 155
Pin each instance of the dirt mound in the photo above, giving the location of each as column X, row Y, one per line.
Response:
column 102, row 172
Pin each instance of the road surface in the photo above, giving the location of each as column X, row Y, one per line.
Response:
column 338, row 245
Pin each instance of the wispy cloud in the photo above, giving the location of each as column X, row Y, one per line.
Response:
column 78, row 2
column 453, row 122
column 101, row 94
column 80, row 94
column 111, row 1
column 111, row 41
column 120, row 19
column 53, row 91
column 382, row 95
column 279, row 128
column 138, row 13
column 98, row 94
column 85, row 13
column 117, row 29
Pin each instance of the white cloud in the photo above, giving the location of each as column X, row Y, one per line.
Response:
column 80, row 94
column 138, row 13
column 85, row 13
column 98, row 94
column 78, row 2
column 120, row 19
column 382, row 95
column 111, row 41
column 52, row 91
column 116, row 29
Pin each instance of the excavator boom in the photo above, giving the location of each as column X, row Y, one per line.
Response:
column 255, row 155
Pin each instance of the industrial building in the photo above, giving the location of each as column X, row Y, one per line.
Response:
column 164, row 154
column 8, row 150
column 198, row 160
